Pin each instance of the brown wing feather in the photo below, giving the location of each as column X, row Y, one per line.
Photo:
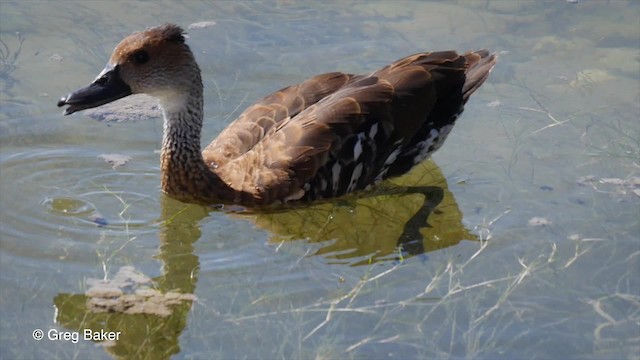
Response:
column 454, row 78
column 258, row 119
column 479, row 65
column 369, row 128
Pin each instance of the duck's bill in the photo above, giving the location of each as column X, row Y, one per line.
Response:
column 107, row 87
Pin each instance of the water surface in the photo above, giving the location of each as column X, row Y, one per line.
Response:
column 520, row 239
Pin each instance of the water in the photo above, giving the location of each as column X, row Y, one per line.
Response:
column 525, row 247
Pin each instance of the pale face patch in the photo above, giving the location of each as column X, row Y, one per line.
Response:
column 172, row 102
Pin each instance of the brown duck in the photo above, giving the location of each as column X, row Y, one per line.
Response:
column 330, row 135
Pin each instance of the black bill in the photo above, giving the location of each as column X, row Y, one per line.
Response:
column 106, row 88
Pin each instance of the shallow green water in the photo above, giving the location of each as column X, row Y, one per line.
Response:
column 526, row 245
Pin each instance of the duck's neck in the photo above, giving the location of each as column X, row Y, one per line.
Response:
column 185, row 175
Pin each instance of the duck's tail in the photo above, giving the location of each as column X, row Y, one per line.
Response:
column 480, row 63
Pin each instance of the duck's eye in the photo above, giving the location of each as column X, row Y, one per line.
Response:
column 141, row 57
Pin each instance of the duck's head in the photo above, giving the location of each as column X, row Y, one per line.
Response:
column 155, row 61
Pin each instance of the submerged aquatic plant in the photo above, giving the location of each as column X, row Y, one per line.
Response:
column 8, row 59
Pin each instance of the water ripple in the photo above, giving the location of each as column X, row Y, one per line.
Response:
column 53, row 199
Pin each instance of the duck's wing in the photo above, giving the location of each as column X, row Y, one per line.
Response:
column 372, row 127
column 258, row 119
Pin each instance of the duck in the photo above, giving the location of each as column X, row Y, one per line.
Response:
column 330, row 135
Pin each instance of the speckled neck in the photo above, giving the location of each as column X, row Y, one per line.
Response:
column 185, row 176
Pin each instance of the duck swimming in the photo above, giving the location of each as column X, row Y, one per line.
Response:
column 330, row 135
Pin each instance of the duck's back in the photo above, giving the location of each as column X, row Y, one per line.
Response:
column 338, row 133
column 258, row 119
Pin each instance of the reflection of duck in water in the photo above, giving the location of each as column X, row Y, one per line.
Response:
column 325, row 137
column 414, row 215
column 151, row 314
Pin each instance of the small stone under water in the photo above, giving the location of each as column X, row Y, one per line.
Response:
column 539, row 221
column 201, row 25
column 130, row 292
column 612, row 185
column 115, row 160
column 68, row 206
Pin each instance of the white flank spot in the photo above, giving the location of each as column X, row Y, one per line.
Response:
column 423, row 154
column 445, row 130
column 357, row 149
column 381, row 175
column 390, row 160
column 373, row 131
column 335, row 174
column 295, row 196
column 392, row 157
column 424, row 146
column 357, row 172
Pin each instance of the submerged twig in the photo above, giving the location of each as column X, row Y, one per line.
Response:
column 7, row 58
